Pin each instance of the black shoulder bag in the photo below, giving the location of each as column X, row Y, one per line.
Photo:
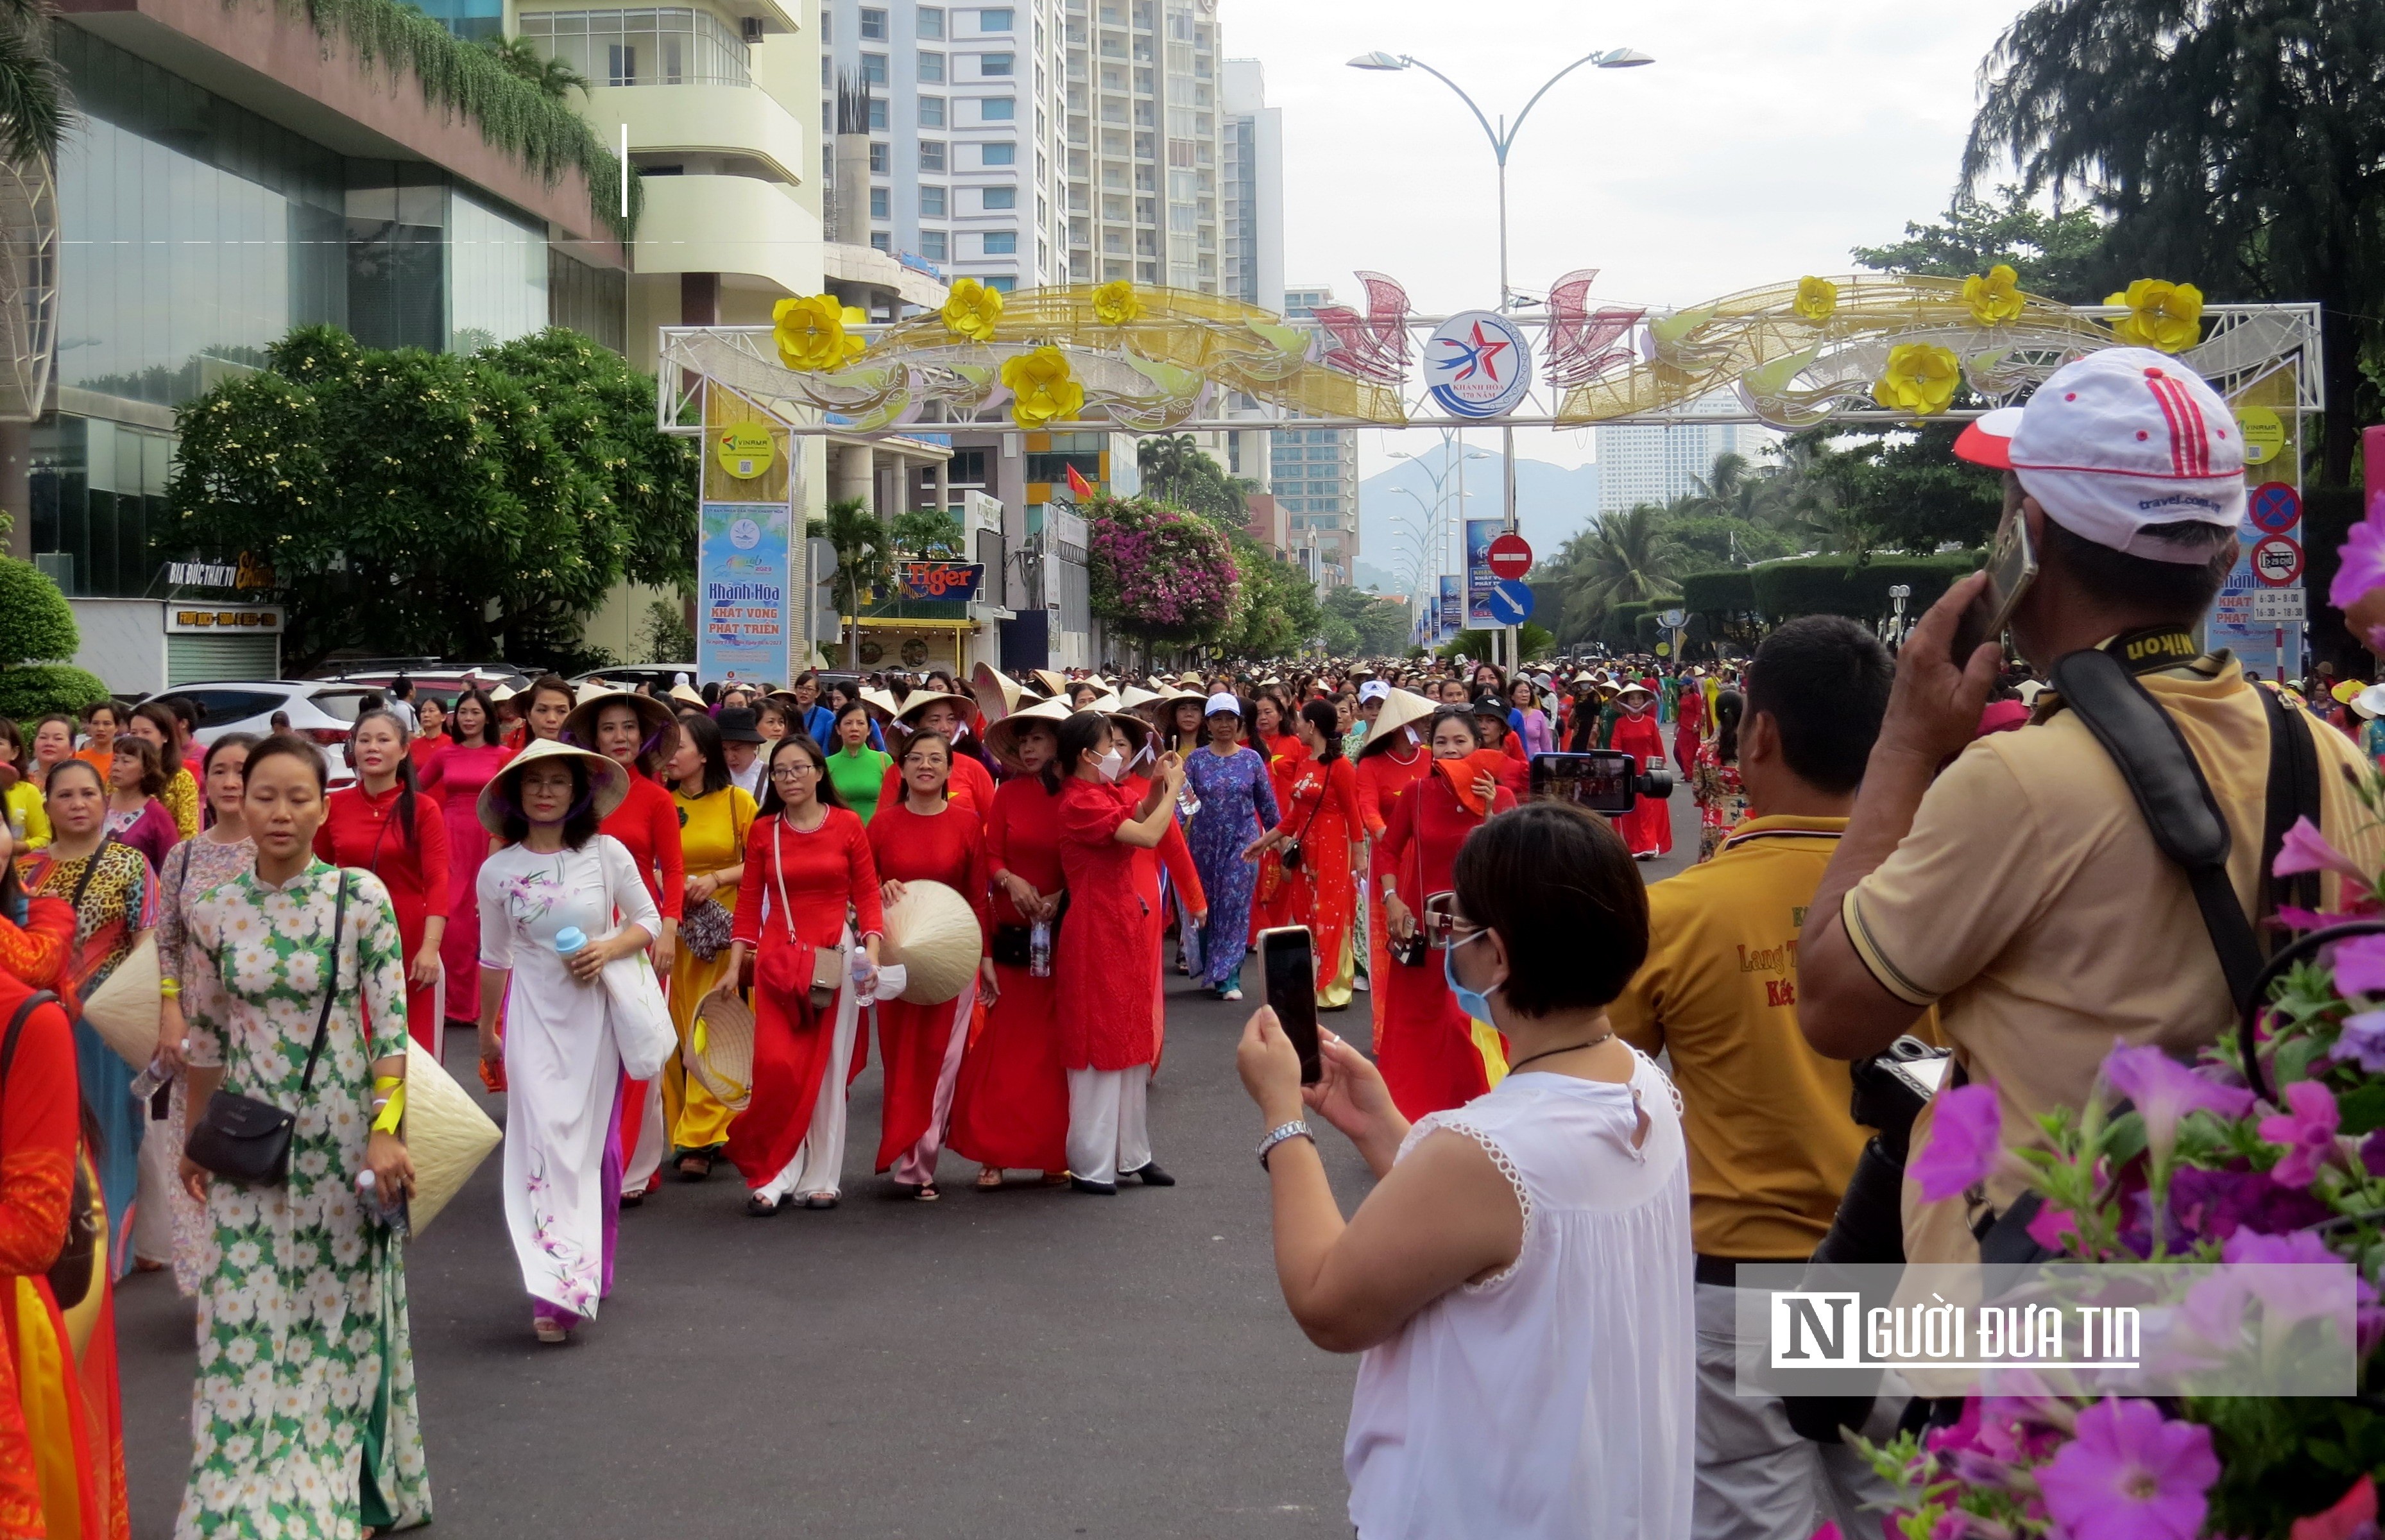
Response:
column 71, row 1274
column 246, row 1140
column 2188, row 827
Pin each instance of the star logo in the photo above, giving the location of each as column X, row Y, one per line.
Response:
column 1481, row 353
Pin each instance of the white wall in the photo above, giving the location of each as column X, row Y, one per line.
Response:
column 123, row 640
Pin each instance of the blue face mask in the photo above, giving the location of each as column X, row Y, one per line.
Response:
column 1475, row 1003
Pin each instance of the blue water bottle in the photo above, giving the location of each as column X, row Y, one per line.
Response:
column 568, row 940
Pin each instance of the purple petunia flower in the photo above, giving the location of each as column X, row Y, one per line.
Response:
column 2165, row 1091
column 2363, row 1038
column 2130, row 1474
column 1966, row 1137
column 2363, row 555
column 2217, row 1204
column 2306, row 1128
column 2305, row 849
column 2360, row 966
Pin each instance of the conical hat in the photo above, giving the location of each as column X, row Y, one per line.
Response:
column 1135, row 696
column 687, row 696
column 1002, row 738
column 447, row 1136
column 907, row 718
column 653, row 715
column 1401, row 708
column 123, row 1010
column 1054, row 684
column 933, row 933
column 881, row 701
column 719, row 1051
column 997, row 693
column 609, row 783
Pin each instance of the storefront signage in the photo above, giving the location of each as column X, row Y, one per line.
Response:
column 939, row 579
column 194, row 619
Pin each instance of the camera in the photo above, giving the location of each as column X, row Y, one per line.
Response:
column 1602, row 781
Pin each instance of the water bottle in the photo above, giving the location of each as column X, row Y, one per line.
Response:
column 151, row 1080
column 570, row 940
column 390, row 1215
column 1186, row 803
column 1038, row 950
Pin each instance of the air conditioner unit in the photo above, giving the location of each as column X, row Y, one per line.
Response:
column 753, row 28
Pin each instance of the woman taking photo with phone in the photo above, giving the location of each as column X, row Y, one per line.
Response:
column 470, row 758
column 808, row 862
column 547, row 905
column 312, row 1427
column 170, row 1226
column 716, row 817
column 1105, row 962
column 1431, row 1057
column 1518, row 1281
column 926, row 838
column 384, row 825
column 1010, row 1106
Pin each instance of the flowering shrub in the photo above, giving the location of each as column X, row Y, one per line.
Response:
column 1156, row 572
column 2183, row 1161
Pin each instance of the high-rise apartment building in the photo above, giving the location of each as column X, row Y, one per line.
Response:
column 1251, row 187
column 1143, row 94
column 1314, row 476
column 965, row 151
column 1655, row 463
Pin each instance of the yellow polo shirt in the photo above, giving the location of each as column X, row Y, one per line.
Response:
column 1771, row 1144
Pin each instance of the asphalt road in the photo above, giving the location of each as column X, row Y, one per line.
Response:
column 1025, row 1363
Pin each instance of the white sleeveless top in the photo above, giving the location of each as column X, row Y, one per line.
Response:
column 1556, row 1400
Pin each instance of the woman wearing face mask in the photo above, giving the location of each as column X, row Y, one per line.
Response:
column 1647, row 829
column 1321, row 813
column 1010, row 1106
column 155, row 725
column 1430, row 1053
column 467, row 761
column 808, row 862
column 1237, row 807
column 384, row 825
column 855, row 768
column 169, row 1224
column 135, row 818
column 1106, row 958
column 318, row 1431
column 563, row 1148
column 926, row 837
column 1519, row 1278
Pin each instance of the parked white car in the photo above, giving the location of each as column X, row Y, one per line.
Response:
column 318, row 709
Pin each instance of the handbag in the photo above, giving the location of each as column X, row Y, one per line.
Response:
column 799, row 967
column 246, row 1140
column 71, row 1274
column 1288, row 853
column 705, row 930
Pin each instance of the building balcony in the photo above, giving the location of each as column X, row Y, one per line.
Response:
column 702, row 119
column 728, row 225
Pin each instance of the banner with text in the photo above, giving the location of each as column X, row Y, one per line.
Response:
column 2263, row 606
column 1452, row 618
column 1480, row 533
column 743, row 557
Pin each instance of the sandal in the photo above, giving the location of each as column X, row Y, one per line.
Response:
column 926, row 1192
column 694, row 1165
column 550, row 1331
column 989, row 1178
column 820, row 1200
column 757, row 1207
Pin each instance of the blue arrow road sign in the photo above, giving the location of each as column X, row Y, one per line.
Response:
column 1511, row 601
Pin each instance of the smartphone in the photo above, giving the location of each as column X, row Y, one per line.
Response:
column 1288, row 961
column 2012, row 567
column 1602, row 781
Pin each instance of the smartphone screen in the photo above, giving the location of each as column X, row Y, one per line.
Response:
column 1289, row 962
column 1602, row 782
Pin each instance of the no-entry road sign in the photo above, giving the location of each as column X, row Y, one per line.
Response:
column 1509, row 556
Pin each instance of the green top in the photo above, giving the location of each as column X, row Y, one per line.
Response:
column 856, row 777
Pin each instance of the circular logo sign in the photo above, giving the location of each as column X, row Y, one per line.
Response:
column 1477, row 364
column 2274, row 507
column 744, row 534
column 2277, row 560
column 1509, row 556
column 744, row 449
column 2265, row 435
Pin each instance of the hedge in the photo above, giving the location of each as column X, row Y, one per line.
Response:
column 1621, row 626
column 1839, row 585
column 44, row 688
column 1729, row 591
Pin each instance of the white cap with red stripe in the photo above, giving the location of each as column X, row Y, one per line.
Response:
column 2114, row 443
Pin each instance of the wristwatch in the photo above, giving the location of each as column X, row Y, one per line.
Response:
column 1296, row 1129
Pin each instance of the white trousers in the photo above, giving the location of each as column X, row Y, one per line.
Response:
column 1107, row 1132
column 916, row 1166
column 818, row 1163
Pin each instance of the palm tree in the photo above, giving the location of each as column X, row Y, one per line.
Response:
column 32, row 106
column 1731, row 487
column 522, row 60
column 1622, row 558
column 865, row 557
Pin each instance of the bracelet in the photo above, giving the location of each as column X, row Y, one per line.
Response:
column 1296, row 1129
column 390, row 1109
column 169, row 989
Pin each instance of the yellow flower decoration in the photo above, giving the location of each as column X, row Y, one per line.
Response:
column 811, row 332
column 1817, row 299
column 1115, row 303
column 972, row 310
column 1921, row 378
column 2161, row 315
column 1995, row 297
column 1043, row 388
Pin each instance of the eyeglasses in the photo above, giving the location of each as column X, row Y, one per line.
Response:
column 793, row 772
column 1442, row 926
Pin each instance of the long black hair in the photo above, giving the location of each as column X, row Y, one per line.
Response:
column 1729, row 706
column 1081, row 730
column 705, row 733
column 492, row 735
column 408, row 787
column 1320, row 715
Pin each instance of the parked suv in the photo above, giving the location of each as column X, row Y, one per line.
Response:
column 322, row 710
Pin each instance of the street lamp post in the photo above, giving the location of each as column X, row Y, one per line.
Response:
column 1502, row 139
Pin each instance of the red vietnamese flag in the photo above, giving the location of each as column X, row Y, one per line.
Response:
column 1078, row 485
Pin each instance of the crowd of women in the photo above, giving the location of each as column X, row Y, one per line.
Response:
column 490, row 856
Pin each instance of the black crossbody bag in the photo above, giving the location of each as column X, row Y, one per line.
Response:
column 245, row 1140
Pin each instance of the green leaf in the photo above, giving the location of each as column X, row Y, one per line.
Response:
column 2363, row 1107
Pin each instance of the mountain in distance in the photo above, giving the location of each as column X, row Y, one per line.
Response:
column 1552, row 502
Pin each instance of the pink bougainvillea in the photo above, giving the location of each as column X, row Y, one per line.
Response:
column 1158, row 572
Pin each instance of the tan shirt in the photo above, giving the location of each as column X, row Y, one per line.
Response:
column 2030, row 905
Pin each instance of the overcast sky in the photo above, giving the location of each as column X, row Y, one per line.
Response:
column 1765, row 141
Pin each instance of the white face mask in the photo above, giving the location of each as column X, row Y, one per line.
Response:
column 1112, row 765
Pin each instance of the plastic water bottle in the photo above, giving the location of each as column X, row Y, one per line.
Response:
column 1186, row 803
column 390, row 1215
column 150, row 1080
column 570, row 940
column 1038, row 950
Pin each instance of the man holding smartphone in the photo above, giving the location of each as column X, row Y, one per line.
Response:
column 2018, row 889
column 1771, row 1142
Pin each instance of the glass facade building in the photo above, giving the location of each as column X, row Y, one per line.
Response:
column 194, row 233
